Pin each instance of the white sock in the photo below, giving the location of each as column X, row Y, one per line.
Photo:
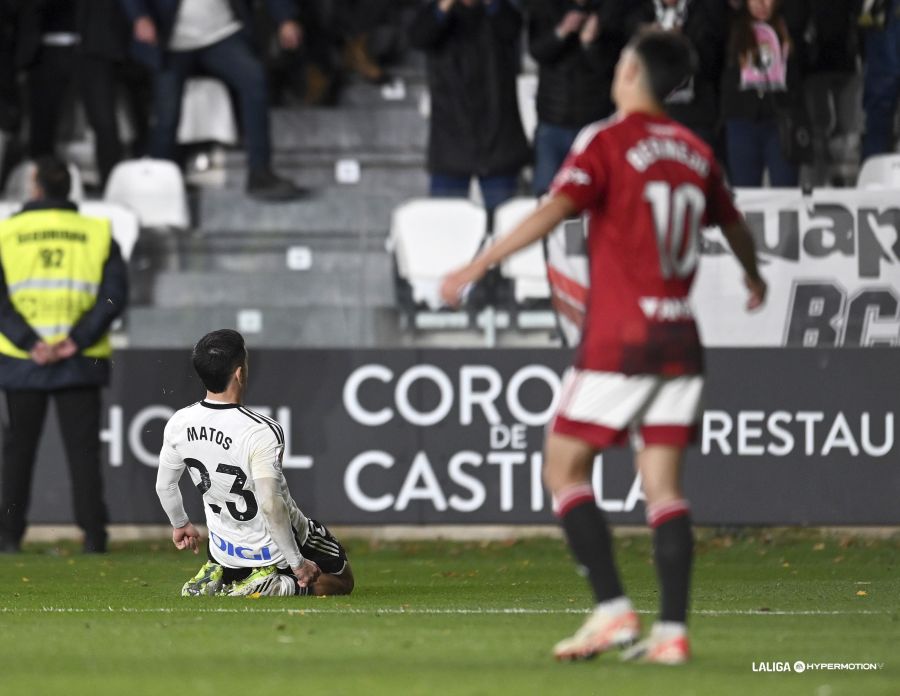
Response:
column 619, row 605
column 669, row 629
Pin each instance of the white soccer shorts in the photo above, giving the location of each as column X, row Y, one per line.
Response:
column 601, row 408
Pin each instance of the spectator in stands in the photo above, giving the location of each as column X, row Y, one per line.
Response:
column 336, row 38
column 177, row 37
column 705, row 23
column 472, row 47
column 62, row 283
column 10, row 109
column 61, row 42
column 832, row 88
column 309, row 72
column 355, row 21
column 576, row 55
column 881, row 77
column 761, row 93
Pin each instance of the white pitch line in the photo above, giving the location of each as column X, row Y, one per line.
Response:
column 411, row 611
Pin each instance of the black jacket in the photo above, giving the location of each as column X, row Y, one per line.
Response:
column 100, row 23
column 10, row 109
column 706, row 25
column 574, row 81
column 473, row 61
column 834, row 41
column 77, row 371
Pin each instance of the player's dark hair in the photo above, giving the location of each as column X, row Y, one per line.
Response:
column 669, row 60
column 52, row 175
column 216, row 356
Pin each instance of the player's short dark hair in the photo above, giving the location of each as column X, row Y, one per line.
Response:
column 669, row 60
column 216, row 356
column 52, row 175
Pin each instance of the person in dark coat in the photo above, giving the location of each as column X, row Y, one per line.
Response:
column 62, row 284
column 176, row 37
column 705, row 24
column 61, row 42
column 472, row 47
column 576, row 47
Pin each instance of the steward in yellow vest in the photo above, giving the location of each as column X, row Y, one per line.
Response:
column 63, row 279
column 62, row 283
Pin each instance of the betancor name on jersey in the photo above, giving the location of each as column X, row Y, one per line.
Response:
column 208, row 434
column 650, row 150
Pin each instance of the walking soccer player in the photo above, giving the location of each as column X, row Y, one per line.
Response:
column 648, row 185
column 260, row 543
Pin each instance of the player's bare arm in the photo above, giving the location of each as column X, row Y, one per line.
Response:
column 537, row 225
column 741, row 242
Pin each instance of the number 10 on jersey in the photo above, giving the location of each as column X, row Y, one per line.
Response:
column 676, row 218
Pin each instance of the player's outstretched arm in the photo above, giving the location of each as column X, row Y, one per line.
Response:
column 537, row 225
column 741, row 242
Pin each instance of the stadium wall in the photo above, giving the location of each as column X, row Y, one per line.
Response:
column 789, row 436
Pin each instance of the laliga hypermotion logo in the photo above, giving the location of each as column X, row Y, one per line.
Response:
column 799, row 666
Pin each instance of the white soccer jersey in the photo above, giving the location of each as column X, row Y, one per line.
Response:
column 229, row 450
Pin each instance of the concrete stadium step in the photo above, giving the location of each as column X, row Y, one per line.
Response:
column 364, row 286
column 397, row 128
column 337, row 211
column 296, row 253
column 294, row 327
column 405, row 89
column 403, row 175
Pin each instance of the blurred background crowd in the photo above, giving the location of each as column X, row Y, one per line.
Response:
column 784, row 88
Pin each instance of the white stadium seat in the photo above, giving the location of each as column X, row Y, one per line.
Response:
column 432, row 236
column 527, row 269
column 153, row 189
column 880, row 172
column 207, row 114
column 124, row 223
column 19, row 182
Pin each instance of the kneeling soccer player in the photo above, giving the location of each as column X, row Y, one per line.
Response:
column 260, row 543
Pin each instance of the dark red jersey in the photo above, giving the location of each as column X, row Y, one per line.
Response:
column 649, row 186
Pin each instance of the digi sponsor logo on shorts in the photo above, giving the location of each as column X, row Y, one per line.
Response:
column 243, row 552
column 799, row 666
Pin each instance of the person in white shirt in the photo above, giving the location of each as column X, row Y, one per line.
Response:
column 260, row 542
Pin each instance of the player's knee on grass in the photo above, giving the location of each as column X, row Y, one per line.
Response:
column 331, row 584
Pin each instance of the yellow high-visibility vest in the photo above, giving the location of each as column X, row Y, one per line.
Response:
column 53, row 264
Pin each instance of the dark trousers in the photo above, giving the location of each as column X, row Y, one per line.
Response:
column 95, row 78
column 78, row 410
column 495, row 189
column 881, row 87
column 232, row 61
column 753, row 148
column 551, row 147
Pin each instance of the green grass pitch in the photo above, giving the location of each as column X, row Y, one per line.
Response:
column 448, row 618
